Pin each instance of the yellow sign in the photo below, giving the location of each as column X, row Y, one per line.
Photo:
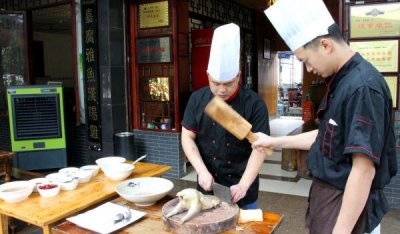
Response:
column 382, row 54
column 153, row 14
column 392, row 83
column 376, row 20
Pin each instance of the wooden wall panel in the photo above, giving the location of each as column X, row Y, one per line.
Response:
column 267, row 69
column 183, row 44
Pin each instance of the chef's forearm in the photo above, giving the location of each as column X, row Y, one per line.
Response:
column 191, row 151
column 300, row 141
column 356, row 193
column 193, row 155
column 254, row 164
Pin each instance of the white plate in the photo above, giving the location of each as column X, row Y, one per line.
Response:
column 101, row 218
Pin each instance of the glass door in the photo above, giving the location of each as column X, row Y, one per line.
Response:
column 14, row 69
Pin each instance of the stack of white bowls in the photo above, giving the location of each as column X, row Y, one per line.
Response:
column 83, row 176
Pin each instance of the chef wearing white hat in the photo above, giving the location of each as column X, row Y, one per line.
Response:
column 223, row 65
column 215, row 154
column 352, row 154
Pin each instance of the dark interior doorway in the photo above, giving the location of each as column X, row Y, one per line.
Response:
column 52, row 46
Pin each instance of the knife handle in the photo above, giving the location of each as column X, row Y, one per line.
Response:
column 252, row 138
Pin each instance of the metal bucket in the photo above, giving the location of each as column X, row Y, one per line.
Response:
column 124, row 145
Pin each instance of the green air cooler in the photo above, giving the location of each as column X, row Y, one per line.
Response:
column 36, row 116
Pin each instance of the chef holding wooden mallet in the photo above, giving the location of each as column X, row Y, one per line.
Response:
column 353, row 153
column 215, row 154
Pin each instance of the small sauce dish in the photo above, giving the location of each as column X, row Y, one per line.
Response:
column 50, row 189
column 38, row 181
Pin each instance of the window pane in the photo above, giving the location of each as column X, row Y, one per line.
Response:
column 13, row 53
column 156, row 103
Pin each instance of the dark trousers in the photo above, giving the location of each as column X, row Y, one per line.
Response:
column 324, row 203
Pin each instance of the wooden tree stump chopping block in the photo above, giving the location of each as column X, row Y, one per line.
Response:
column 219, row 219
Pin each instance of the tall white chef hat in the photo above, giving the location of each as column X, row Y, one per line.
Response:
column 299, row 22
column 223, row 65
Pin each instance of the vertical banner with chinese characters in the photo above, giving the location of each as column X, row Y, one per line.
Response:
column 90, row 72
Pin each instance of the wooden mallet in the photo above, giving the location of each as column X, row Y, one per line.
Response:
column 228, row 118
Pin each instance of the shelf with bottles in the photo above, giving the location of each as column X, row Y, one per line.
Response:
column 157, row 115
column 156, row 102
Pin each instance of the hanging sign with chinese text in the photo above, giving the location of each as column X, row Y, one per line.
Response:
column 375, row 20
column 91, row 76
column 382, row 54
column 153, row 14
column 154, row 50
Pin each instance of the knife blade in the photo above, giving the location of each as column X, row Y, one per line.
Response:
column 222, row 192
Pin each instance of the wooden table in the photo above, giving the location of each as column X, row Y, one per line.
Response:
column 45, row 212
column 152, row 222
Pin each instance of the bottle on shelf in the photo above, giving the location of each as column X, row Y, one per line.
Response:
column 308, row 109
column 143, row 120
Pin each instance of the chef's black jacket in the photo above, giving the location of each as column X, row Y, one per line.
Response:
column 224, row 155
column 356, row 117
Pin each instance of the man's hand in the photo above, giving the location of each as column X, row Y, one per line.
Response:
column 238, row 192
column 262, row 141
column 205, row 180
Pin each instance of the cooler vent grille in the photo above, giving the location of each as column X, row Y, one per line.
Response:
column 36, row 116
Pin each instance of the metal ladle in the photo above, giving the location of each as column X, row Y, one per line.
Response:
column 137, row 160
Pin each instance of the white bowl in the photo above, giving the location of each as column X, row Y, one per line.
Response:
column 118, row 171
column 50, row 189
column 93, row 168
column 38, row 181
column 109, row 160
column 54, row 176
column 68, row 183
column 84, row 176
column 70, row 171
column 144, row 191
column 16, row 191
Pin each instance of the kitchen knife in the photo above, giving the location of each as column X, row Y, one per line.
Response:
column 222, row 192
column 228, row 118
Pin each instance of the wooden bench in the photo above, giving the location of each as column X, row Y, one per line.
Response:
column 6, row 164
